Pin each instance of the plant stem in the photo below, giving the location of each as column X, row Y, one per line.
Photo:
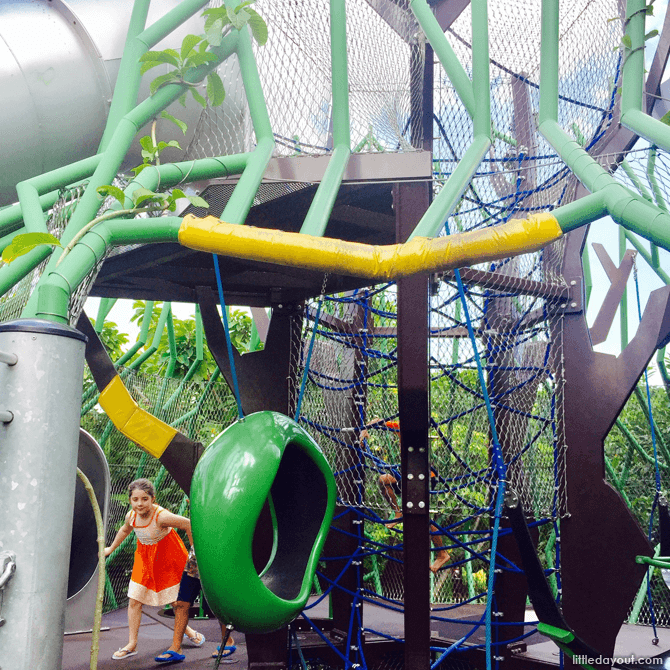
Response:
column 98, row 219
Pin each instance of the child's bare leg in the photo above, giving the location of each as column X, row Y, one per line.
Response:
column 181, row 612
column 134, row 619
column 387, row 483
column 441, row 555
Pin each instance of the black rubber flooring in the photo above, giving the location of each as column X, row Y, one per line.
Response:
column 156, row 636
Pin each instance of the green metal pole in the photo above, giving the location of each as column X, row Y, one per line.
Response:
column 479, row 108
column 54, row 294
column 632, row 89
column 11, row 218
column 111, row 159
column 447, row 199
column 588, row 281
column 138, row 42
column 322, row 204
column 242, row 198
column 647, row 257
column 445, row 54
column 128, row 80
column 30, row 190
column 623, row 306
column 104, row 308
column 642, row 593
column 481, row 80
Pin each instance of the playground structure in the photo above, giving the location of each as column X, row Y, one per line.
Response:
column 418, row 139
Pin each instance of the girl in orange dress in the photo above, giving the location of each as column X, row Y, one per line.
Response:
column 160, row 557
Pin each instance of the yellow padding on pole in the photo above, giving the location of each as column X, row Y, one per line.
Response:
column 420, row 254
column 132, row 421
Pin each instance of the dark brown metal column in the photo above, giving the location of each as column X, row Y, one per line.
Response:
column 410, row 201
column 601, row 538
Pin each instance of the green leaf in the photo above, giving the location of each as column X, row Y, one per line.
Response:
column 259, row 29
column 665, row 119
column 236, row 20
column 215, row 14
column 139, row 168
column 200, row 59
column 147, row 66
column 650, row 34
column 141, row 195
column 626, row 41
column 198, row 98
column 166, row 56
column 162, row 81
column 178, row 193
column 214, row 32
column 22, row 244
column 197, row 201
column 187, row 45
column 113, row 191
column 215, row 90
column 178, row 122
column 147, row 143
column 182, row 99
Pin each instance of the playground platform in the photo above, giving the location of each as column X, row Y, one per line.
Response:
column 156, row 636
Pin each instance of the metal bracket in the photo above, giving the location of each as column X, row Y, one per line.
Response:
column 573, row 301
column 289, row 307
column 7, row 569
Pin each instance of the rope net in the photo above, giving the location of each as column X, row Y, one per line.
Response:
column 350, row 405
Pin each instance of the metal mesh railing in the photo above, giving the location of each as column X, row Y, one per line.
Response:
column 199, row 409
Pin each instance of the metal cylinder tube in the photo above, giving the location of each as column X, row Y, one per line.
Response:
column 58, row 66
column 38, row 460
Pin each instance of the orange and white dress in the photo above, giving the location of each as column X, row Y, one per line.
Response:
column 160, row 558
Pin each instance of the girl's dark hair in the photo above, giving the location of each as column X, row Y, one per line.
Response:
column 142, row 485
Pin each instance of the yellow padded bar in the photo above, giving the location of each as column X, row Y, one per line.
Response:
column 132, row 421
column 421, row 254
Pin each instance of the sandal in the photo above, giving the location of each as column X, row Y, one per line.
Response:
column 196, row 641
column 122, row 653
column 169, row 657
column 227, row 651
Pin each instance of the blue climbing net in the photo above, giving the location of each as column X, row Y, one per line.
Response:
column 495, row 364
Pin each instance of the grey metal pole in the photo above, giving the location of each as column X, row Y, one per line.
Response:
column 38, row 460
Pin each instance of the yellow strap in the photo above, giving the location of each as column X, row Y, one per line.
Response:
column 383, row 263
column 132, row 421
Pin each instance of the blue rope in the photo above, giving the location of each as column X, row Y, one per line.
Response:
column 229, row 344
column 499, row 465
column 657, row 471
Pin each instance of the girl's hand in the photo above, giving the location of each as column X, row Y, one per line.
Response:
column 108, row 551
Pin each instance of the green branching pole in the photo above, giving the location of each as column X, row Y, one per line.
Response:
column 632, row 90
column 476, row 98
column 110, row 161
column 324, row 199
column 637, row 446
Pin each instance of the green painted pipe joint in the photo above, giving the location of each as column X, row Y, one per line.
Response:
column 54, row 302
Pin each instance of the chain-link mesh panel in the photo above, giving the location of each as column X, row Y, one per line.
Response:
column 385, row 54
column 198, row 409
column 522, row 173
